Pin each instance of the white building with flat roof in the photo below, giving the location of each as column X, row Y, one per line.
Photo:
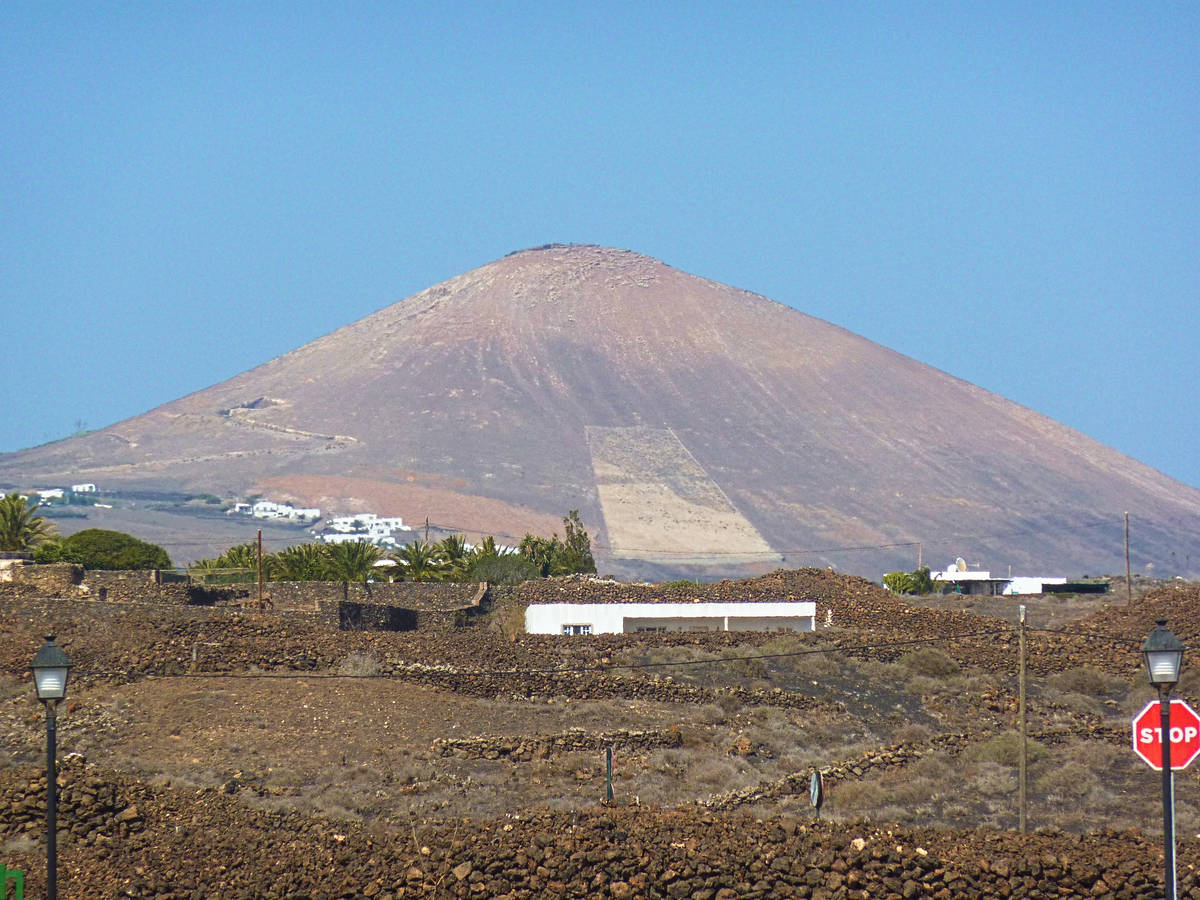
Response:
column 626, row 618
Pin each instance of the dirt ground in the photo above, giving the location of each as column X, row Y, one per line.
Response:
column 351, row 727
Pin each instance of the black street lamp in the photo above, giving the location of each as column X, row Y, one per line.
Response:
column 1163, row 653
column 50, row 670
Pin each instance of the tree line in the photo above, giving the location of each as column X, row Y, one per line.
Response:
column 449, row 559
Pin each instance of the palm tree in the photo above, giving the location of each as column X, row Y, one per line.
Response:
column 455, row 558
column 21, row 528
column 242, row 556
column 351, row 561
column 304, row 562
column 485, row 549
column 420, row 561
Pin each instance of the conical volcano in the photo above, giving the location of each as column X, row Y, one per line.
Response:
column 691, row 423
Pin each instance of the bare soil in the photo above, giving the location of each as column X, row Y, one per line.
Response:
column 266, row 715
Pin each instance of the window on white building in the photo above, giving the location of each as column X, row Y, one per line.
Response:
column 577, row 629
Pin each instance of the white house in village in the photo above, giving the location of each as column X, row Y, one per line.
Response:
column 981, row 581
column 364, row 522
column 85, row 488
column 376, row 536
column 268, row 509
column 618, row 618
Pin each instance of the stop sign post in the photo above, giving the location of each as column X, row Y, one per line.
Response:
column 1185, row 735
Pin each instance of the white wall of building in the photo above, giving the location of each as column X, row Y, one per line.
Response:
column 617, row 618
column 1024, row 584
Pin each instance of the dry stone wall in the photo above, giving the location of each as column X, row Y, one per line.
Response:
column 426, row 596
column 546, row 745
column 128, row 839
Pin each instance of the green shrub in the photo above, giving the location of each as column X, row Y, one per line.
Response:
column 508, row 568
column 96, row 548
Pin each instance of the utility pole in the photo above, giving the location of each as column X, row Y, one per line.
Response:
column 1128, row 583
column 260, row 596
column 920, row 555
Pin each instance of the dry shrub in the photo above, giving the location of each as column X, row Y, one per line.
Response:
column 993, row 780
column 1068, row 782
column 912, row 792
column 1005, row 749
column 1079, row 704
column 714, row 772
column 807, row 656
column 740, row 665
column 712, row 714
column 360, row 665
column 936, row 766
column 912, row 733
column 1089, row 682
column 925, row 685
column 857, row 796
column 510, row 619
column 930, row 662
column 878, row 672
column 1097, row 756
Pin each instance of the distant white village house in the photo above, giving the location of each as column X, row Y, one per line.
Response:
column 269, row 509
column 85, row 488
column 362, row 522
column 625, row 618
column 979, row 581
column 366, row 527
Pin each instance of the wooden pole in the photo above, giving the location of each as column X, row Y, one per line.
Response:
column 1022, row 796
column 260, row 596
column 1128, row 583
column 920, row 555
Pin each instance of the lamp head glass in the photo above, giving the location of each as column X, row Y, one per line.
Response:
column 1163, row 653
column 51, row 668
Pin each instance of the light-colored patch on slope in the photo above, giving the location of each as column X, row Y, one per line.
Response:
column 660, row 505
column 474, row 516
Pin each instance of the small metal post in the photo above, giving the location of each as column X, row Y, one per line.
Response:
column 51, row 803
column 608, row 791
column 1168, row 795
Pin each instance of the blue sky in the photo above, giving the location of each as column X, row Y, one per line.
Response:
column 1006, row 191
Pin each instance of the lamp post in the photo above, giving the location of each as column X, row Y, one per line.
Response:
column 1163, row 653
column 50, row 670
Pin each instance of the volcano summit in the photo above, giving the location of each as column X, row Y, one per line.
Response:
column 698, row 428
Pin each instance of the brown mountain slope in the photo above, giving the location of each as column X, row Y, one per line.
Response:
column 689, row 421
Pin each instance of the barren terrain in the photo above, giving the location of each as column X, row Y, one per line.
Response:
column 230, row 753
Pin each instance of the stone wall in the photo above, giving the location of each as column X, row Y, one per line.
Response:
column 70, row 580
column 122, row 838
column 545, row 745
column 52, row 578
column 306, row 595
column 350, row 616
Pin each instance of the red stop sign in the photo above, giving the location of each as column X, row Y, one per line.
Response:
column 1185, row 735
